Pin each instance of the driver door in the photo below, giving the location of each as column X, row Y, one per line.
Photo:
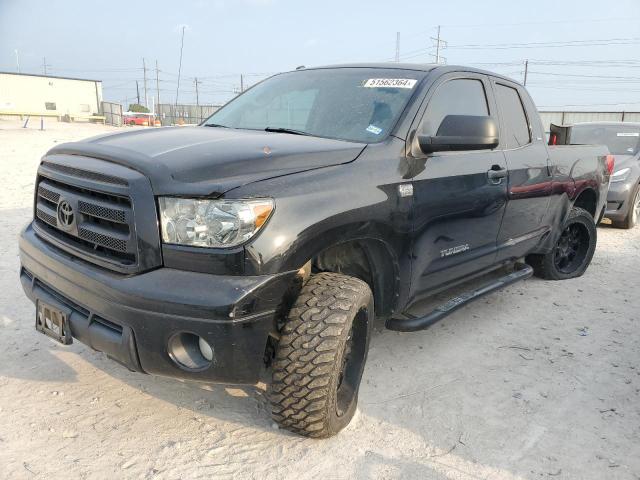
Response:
column 458, row 209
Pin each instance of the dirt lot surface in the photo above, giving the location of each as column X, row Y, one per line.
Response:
column 539, row 381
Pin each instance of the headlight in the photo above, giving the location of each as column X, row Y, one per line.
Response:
column 212, row 223
column 620, row 175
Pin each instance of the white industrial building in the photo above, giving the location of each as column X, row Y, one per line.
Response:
column 28, row 94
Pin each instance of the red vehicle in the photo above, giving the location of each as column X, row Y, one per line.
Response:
column 138, row 118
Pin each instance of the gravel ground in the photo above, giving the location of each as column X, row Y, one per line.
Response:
column 541, row 380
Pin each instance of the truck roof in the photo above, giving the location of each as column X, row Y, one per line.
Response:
column 420, row 67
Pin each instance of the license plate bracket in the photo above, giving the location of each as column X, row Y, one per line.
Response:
column 53, row 322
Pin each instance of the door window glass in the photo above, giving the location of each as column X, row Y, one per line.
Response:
column 455, row 97
column 516, row 126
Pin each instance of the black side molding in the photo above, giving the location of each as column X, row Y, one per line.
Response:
column 410, row 323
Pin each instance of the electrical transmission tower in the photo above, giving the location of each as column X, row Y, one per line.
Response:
column 45, row 65
column 440, row 45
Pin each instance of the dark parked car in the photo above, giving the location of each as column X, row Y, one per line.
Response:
column 268, row 239
column 623, row 141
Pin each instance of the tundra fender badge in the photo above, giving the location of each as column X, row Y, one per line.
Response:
column 447, row 252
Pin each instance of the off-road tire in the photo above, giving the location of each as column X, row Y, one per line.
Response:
column 545, row 266
column 331, row 320
column 631, row 220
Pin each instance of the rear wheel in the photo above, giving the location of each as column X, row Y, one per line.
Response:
column 634, row 212
column 573, row 251
column 321, row 356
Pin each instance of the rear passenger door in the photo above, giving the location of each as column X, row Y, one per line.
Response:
column 530, row 179
column 457, row 208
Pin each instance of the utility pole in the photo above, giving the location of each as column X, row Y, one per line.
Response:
column 526, row 71
column 138, row 92
column 45, row 65
column 157, row 86
column 241, row 83
column 180, row 65
column 397, row 47
column 17, row 60
column 440, row 45
column 144, row 73
column 197, row 96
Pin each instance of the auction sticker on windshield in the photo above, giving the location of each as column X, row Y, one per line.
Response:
column 629, row 134
column 390, row 83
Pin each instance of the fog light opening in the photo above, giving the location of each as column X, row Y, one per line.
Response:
column 190, row 351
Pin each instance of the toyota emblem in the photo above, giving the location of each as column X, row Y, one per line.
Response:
column 65, row 214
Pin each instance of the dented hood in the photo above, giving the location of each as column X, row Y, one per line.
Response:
column 210, row 161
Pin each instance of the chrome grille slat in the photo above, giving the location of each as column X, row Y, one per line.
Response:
column 91, row 234
column 46, row 217
column 100, row 210
column 50, row 195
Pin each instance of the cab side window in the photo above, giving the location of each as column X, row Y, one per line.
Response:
column 463, row 96
column 516, row 125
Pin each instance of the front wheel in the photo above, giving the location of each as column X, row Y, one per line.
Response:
column 321, row 356
column 573, row 251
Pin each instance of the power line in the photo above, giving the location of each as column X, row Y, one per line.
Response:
column 589, row 105
column 545, row 22
column 608, row 77
column 567, row 43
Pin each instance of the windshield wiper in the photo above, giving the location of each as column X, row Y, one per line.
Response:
column 286, row 130
column 215, row 125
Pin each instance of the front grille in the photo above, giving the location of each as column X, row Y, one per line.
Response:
column 101, row 224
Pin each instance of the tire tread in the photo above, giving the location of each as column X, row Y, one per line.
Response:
column 309, row 347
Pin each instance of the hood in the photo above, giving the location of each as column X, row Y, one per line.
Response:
column 211, row 161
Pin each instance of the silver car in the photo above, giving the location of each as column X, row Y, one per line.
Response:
column 623, row 141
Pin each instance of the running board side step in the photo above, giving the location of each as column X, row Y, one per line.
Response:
column 410, row 323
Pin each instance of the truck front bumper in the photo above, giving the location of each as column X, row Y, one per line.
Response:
column 148, row 321
column 618, row 200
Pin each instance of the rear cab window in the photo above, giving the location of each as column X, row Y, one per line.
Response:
column 515, row 129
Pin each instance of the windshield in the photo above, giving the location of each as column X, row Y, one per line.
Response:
column 620, row 139
column 355, row 104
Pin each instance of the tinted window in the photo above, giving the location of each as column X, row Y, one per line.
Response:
column 455, row 97
column 358, row 104
column 516, row 126
column 620, row 139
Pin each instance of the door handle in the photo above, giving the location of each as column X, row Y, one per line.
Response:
column 496, row 174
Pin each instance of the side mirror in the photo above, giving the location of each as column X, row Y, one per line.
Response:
column 462, row 132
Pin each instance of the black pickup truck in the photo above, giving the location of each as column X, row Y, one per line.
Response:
column 264, row 242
